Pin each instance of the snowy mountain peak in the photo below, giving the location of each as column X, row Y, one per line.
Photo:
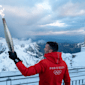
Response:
column 41, row 42
column 81, row 44
column 26, row 50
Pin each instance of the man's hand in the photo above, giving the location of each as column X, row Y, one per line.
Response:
column 13, row 56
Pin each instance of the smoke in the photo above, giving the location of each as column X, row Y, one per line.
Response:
column 1, row 11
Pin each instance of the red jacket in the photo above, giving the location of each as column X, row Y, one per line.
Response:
column 51, row 70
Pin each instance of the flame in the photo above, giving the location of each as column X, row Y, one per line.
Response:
column 1, row 11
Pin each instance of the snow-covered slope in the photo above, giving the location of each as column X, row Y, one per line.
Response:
column 26, row 50
column 79, row 59
column 67, row 57
column 81, row 44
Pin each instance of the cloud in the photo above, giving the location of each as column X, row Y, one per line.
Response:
column 71, row 9
column 80, row 31
column 0, row 5
column 23, row 19
column 57, row 23
column 20, row 16
column 22, row 12
column 44, row 5
column 20, row 3
column 26, row 11
column 74, row 23
column 44, row 17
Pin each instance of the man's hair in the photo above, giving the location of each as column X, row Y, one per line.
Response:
column 53, row 46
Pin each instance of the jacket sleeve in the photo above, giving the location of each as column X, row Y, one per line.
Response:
column 67, row 77
column 32, row 70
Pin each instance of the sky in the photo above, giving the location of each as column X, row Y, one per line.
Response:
column 54, row 19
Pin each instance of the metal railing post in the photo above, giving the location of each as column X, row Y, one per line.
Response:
column 8, row 81
column 82, row 81
column 79, row 82
column 75, row 82
column 72, row 82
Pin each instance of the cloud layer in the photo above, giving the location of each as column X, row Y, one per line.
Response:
column 44, row 17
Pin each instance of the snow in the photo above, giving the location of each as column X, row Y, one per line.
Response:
column 41, row 42
column 82, row 49
column 79, row 60
column 67, row 57
column 23, row 52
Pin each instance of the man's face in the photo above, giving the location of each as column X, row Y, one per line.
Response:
column 47, row 49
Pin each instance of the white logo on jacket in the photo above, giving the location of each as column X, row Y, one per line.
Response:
column 57, row 72
column 57, row 67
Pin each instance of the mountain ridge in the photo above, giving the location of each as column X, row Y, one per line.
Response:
column 32, row 52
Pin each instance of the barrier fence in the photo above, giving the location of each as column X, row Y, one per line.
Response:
column 16, row 78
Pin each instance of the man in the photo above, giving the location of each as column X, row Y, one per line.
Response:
column 51, row 70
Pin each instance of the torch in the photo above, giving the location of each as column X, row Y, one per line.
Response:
column 8, row 36
column 6, row 31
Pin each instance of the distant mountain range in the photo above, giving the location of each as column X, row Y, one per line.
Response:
column 63, row 47
column 32, row 52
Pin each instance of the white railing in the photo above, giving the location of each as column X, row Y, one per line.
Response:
column 16, row 78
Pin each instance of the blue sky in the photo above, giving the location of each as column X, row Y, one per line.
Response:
column 64, row 18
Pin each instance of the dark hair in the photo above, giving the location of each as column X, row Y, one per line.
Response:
column 53, row 46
